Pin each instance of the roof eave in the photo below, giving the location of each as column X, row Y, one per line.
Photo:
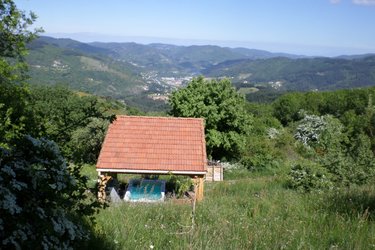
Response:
column 146, row 171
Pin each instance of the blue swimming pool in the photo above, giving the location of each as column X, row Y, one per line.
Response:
column 140, row 190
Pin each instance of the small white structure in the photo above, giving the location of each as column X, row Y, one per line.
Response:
column 214, row 171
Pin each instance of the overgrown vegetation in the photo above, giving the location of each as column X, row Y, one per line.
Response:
column 257, row 212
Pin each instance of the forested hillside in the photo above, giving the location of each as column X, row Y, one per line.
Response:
column 171, row 60
column 81, row 67
column 279, row 75
column 144, row 75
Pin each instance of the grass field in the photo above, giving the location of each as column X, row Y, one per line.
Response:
column 248, row 90
column 247, row 212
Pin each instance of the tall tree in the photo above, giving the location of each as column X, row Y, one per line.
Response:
column 226, row 120
column 14, row 35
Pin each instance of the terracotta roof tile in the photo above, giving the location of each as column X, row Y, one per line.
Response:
column 154, row 143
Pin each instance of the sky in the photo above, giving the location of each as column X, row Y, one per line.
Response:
column 306, row 27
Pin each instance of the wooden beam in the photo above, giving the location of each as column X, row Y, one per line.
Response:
column 199, row 187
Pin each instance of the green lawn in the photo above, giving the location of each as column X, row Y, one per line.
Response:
column 249, row 213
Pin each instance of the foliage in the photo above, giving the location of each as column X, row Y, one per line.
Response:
column 15, row 117
column 354, row 165
column 260, row 154
column 335, row 103
column 309, row 129
column 287, row 107
column 348, row 160
column 179, row 185
column 42, row 200
column 307, row 178
column 87, row 141
column 14, row 34
column 226, row 121
column 76, row 123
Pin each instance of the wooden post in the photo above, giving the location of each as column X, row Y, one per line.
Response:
column 199, row 187
column 213, row 172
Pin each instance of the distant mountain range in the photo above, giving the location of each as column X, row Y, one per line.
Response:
column 143, row 74
column 298, row 74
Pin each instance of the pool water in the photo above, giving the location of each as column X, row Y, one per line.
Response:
column 145, row 190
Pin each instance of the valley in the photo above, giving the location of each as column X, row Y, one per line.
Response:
column 145, row 75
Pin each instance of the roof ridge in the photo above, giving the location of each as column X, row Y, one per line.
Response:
column 159, row 117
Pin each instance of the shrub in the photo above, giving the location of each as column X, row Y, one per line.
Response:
column 42, row 200
column 178, row 185
column 260, row 154
column 232, row 166
column 309, row 129
column 307, row 178
column 260, row 162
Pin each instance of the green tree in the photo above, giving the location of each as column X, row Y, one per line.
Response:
column 15, row 119
column 63, row 115
column 14, row 35
column 87, row 141
column 363, row 167
column 287, row 107
column 226, row 119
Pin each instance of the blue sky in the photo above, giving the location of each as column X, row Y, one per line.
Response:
column 310, row 27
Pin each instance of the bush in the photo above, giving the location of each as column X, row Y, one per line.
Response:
column 307, row 178
column 260, row 162
column 178, row 185
column 309, row 129
column 260, row 154
column 42, row 200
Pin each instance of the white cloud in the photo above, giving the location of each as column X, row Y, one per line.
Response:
column 335, row 1
column 364, row 2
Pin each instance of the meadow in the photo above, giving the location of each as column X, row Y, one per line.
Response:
column 245, row 211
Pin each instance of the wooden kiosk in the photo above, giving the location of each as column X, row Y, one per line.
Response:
column 154, row 146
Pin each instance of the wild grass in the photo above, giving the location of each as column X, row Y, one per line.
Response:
column 249, row 213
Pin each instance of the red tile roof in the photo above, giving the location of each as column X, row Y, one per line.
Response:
column 137, row 143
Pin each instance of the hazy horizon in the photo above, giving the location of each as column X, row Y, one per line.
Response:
column 271, row 47
column 312, row 28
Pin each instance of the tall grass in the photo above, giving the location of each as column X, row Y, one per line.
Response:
column 251, row 213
